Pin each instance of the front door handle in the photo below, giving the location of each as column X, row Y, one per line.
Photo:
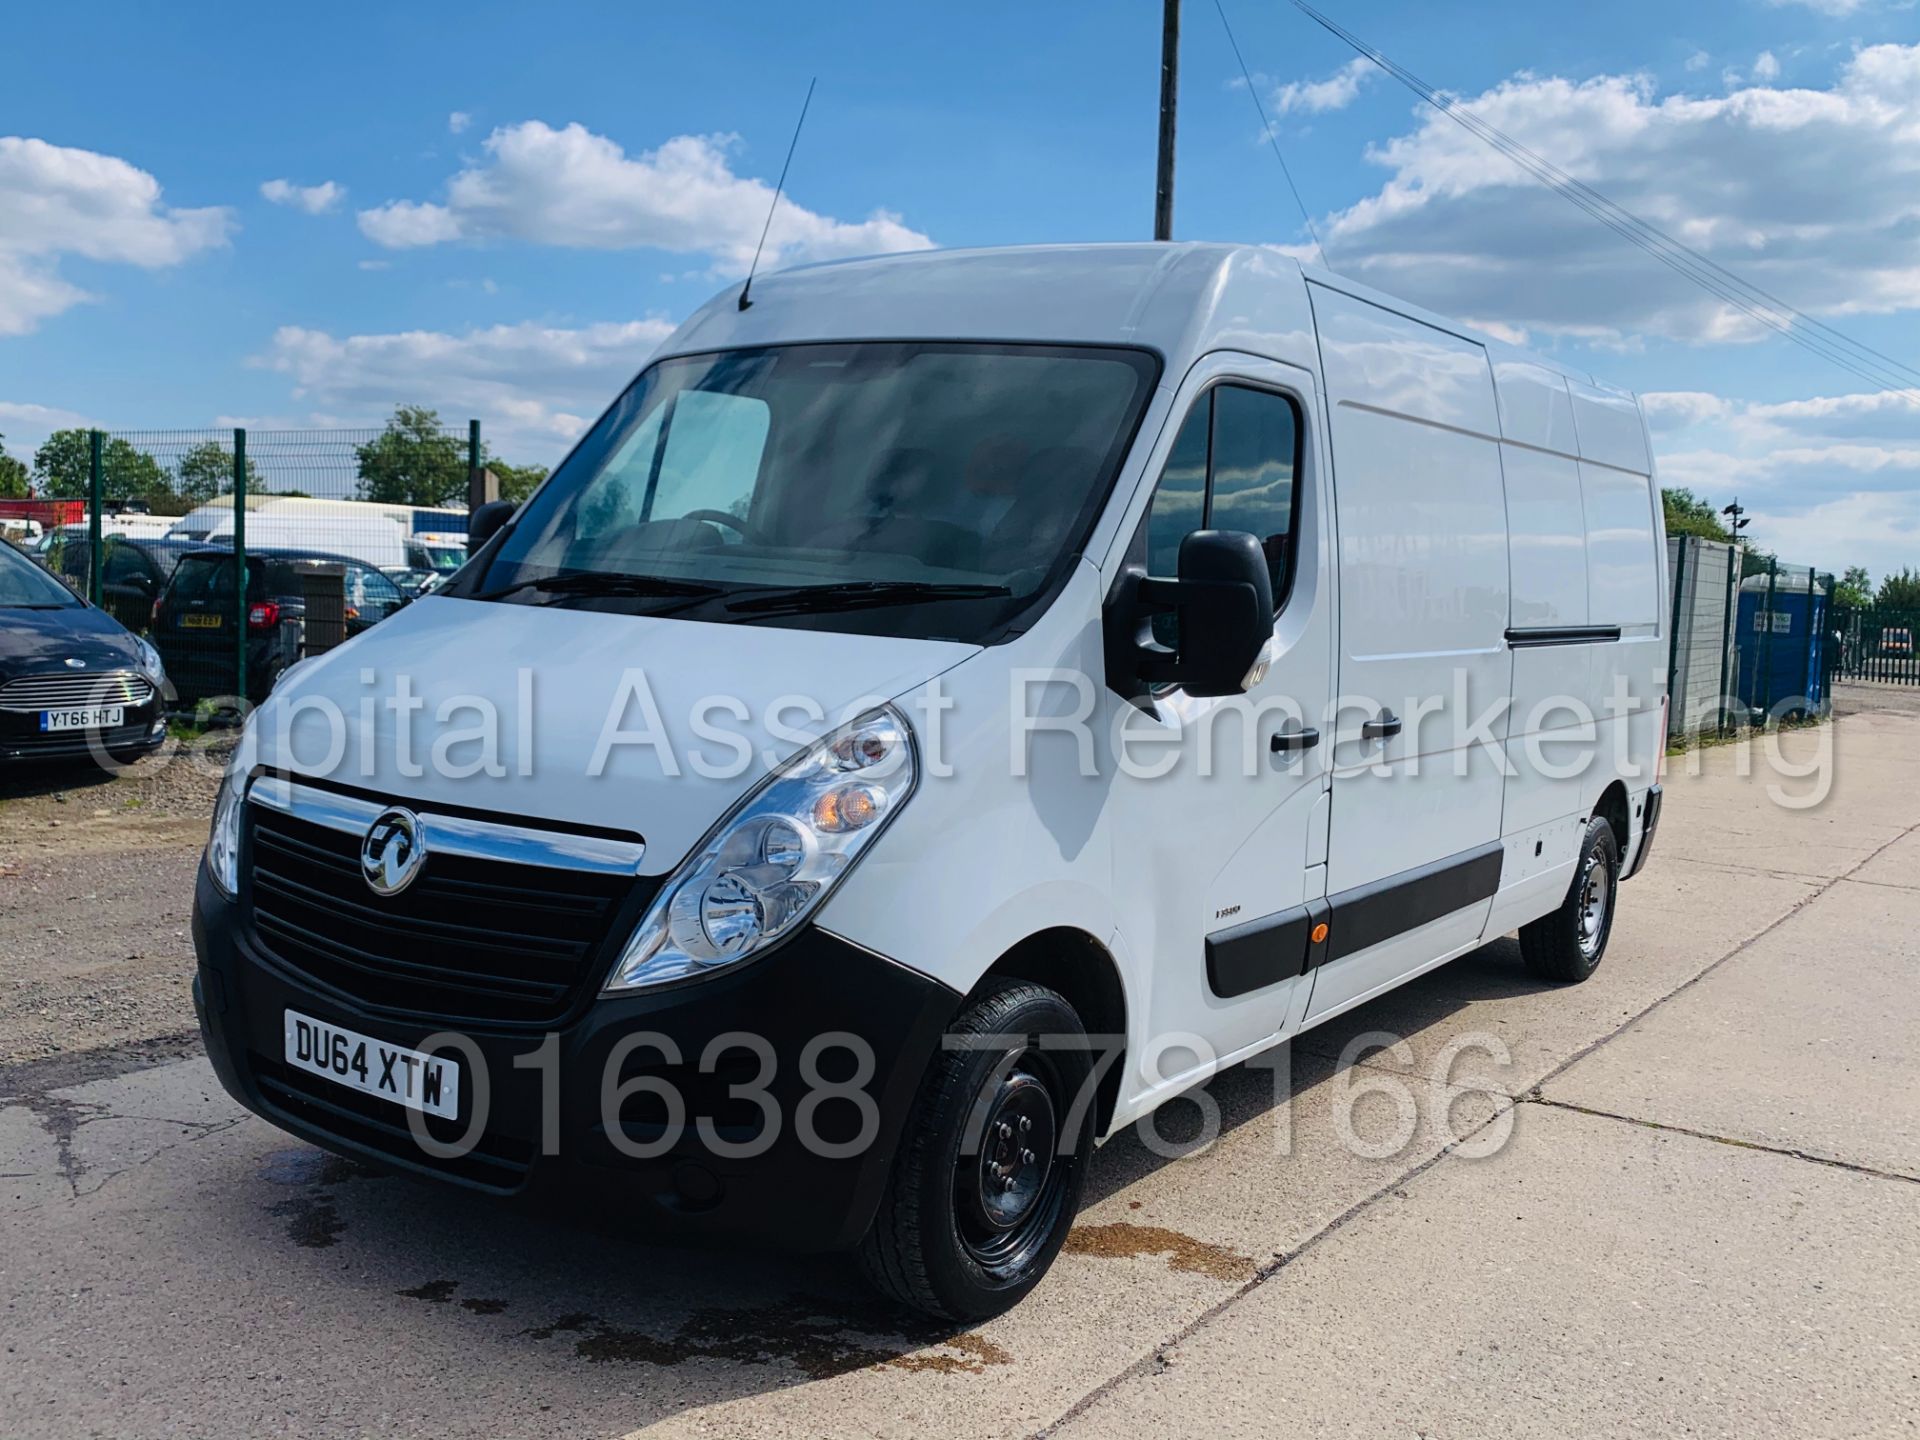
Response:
column 1295, row 740
column 1387, row 724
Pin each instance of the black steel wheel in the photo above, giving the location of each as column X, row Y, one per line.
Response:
column 988, row 1180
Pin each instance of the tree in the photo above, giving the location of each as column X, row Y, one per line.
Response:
column 517, row 482
column 1900, row 592
column 64, row 466
column 1854, row 589
column 207, row 470
column 413, row 461
column 1689, row 514
column 14, row 484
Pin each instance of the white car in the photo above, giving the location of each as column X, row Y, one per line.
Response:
column 941, row 711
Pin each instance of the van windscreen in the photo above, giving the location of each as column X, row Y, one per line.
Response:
column 912, row 471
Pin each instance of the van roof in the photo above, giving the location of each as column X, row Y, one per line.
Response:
column 1181, row 299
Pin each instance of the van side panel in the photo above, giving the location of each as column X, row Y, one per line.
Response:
column 1549, row 729
column 1424, row 606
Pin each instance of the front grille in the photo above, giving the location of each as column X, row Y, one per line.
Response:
column 495, row 1161
column 471, row 940
column 74, row 690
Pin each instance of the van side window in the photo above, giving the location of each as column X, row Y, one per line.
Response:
column 711, row 459
column 1232, row 467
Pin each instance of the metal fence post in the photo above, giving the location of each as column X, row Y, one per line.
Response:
column 1736, row 558
column 474, row 484
column 1673, row 643
column 240, row 566
column 1766, row 641
column 96, row 560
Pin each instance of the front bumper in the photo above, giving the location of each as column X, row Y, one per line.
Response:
column 22, row 739
column 1649, row 822
column 820, row 1159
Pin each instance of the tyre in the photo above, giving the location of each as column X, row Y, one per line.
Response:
column 1568, row 944
column 988, row 1179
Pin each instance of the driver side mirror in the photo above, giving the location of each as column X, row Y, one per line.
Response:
column 1224, row 599
column 486, row 522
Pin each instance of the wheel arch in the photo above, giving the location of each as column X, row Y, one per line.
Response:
column 1082, row 969
column 1614, row 808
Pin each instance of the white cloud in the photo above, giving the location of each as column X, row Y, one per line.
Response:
column 574, row 188
column 1766, row 66
column 1336, row 92
column 27, row 426
column 1699, row 60
column 1677, row 409
column 57, row 201
column 314, row 199
column 1824, row 7
column 534, row 387
column 458, row 121
column 1831, row 481
column 1814, row 194
column 376, row 264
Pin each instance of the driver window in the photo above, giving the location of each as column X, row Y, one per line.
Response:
column 1233, row 467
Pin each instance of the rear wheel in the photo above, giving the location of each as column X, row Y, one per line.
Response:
column 988, row 1181
column 1568, row 944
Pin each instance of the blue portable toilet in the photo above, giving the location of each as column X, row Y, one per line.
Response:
column 1780, row 642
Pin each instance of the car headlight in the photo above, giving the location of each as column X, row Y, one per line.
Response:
column 777, row 855
column 223, row 840
column 150, row 660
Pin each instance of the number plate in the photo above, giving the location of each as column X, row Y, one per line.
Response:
column 200, row 622
column 429, row 1083
column 93, row 717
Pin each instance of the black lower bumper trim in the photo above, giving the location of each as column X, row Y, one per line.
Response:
column 801, row 1169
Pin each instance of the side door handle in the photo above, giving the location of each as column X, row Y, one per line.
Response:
column 1387, row 724
column 1294, row 740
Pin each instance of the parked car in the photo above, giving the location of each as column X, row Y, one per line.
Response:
column 72, row 678
column 1896, row 640
column 195, row 617
column 137, row 570
column 878, row 980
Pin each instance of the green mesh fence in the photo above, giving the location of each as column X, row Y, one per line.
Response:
column 236, row 552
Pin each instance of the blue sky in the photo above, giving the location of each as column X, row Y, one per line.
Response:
column 523, row 199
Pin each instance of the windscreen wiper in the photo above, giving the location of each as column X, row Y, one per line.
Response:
column 596, row 582
column 855, row 594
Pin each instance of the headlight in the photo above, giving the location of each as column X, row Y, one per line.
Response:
column 777, row 855
column 223, row 841
column 150, row 659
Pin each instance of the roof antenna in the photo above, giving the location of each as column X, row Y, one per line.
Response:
column 792, row 145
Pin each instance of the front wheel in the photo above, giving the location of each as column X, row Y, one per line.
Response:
column 1568, row 944
column 988, row 1180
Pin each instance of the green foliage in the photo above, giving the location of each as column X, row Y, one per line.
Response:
column 14, row 483
column 414, row 461
column 1855, row 588
column 1689, row 514
column 64, row 467
column 1900, row 592
column 206, row 471
column 517, row 482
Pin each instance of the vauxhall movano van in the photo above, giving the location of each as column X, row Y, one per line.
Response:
column 947, row 706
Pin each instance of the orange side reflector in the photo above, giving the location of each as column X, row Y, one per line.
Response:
column 1320, row 933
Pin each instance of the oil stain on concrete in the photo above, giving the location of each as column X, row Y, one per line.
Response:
column 1121, row 1240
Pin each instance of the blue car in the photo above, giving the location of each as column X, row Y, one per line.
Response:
column 73, row 680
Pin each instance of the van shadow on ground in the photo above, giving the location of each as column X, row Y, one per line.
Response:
column 559, row 1295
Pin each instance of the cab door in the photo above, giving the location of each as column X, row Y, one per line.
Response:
column 1219, row 861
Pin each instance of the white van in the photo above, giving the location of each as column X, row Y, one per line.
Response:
column 941, row 711
column 373, row 539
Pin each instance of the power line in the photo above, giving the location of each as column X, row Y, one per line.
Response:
column 1743, row 295
column 1267, row 127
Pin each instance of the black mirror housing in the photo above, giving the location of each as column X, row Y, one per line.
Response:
column 1224, row 598
column 486, row 522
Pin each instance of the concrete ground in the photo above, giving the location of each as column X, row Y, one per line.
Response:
column 1683, row 1198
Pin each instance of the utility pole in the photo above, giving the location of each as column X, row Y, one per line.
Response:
column 1737, row 513
column 1169, row 102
